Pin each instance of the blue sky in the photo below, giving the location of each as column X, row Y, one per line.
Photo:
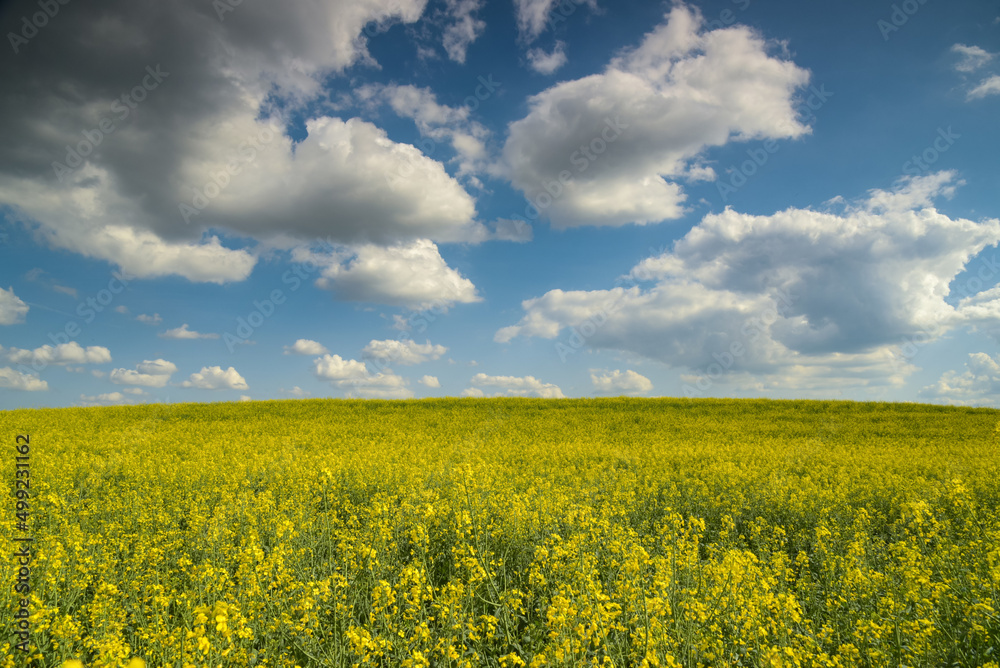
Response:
column 406, row 198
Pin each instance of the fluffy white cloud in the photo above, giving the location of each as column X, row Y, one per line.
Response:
column 106, row 398
column 404, row 352
column 517, row 386
column 438, row 123
column 214, row 378
column 412, row 275
column 990, row 86
column 534, row 16
column 617, row 382
column 354, row 376
column 464, row 28
column 12, row 309
column 548, row 62
column 430, row 381
column 223, row 158
column 150, row 373
column 154, row 319
column 298, row 392
column 972, row 57
column 336, row 368
column 183, row 332
column 305, row 347
column 64, row 353
column 609, row 149
column 246, row 397
column 979, row 384
column 797, row 298
column 25, row 382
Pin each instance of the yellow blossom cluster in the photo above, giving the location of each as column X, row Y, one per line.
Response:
column 508, row 533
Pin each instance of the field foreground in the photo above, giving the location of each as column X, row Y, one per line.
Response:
column 508, row 532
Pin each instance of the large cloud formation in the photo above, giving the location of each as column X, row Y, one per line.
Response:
column 132, row 129
column 802, row 298
column 609, row 149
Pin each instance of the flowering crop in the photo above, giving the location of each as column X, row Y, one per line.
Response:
column 509, row 532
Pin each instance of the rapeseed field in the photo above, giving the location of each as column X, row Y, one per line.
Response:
column 507, row 532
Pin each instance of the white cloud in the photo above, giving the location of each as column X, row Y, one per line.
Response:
column 797, row 298
column 298, row 392
column 411, row 275
column 617, row 382
column 354, row 376
column 12, row 309
column 990, row 86
column 404, row 352
column 183, row 332
column 150, row 373
column 209, row 122
column 121, row 309
column 622, row 139
column 430, row 381
column 64, row 353
column 336, row 368
column 154, row 319
column 25, row 382
column 107, row 398
column 465, row 27
column 534, row 16
column 439, row 123
column 547, row 63
column 134, row 390
column 214, row 378
column 973, row 57
column 473, row 392
column 246, row 397
column 979, row 384
column 305, row 347
column 517, row 386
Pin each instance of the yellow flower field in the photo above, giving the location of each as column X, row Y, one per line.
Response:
column 507, row 532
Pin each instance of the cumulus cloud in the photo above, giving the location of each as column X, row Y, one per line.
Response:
column 971, row 57
column 214, row 378
column 430, row 381
column 298, row 392
column 608, row 149
column 617, row 382
column 154, row 319
column 412, row 275
column 548, row 62
column 353, row 376
column 463, row 29
column 183, row 332
column 305, row 347
column 106, row 398
column 989, row 86
column 12, row 309
column 214, row 94
column 534, row 16
column 17, row 380
column 404, row 352
column 516, row 386
column 796, row 298
column 150, row 373
column 979, row 384
column 438, row 123
column 64, row 353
